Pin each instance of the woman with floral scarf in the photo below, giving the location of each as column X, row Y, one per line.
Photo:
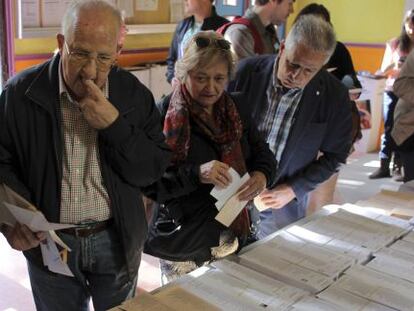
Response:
column 209, row 133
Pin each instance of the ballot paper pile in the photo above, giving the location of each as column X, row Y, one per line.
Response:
column 14, row 208
column 345, row 257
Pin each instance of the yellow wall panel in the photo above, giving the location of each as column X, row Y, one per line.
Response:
column 364, row 21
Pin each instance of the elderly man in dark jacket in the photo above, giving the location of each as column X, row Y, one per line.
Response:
column 203, row 16
column 302, row 110
column 79, row 138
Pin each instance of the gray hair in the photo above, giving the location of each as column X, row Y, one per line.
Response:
column 72, row 13
column 195, row 57
column 313, row 32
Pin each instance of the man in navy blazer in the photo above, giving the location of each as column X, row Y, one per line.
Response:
column 303, row 111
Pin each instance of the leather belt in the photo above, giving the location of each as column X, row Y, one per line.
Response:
column 86, row 230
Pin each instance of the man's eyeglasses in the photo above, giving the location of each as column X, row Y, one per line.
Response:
column 203, row 42
column 103, row 61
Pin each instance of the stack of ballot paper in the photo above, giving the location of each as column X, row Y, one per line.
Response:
column 409, row 237
column 394, row 262
column 227, row 203
column 378, row 287
column 227, row 286
column 268, row 292
column 404, row 246
column 349, row 301
column 373, row 213
column 297, row 262
column 171, row 298
column 391, row 202
column 14, row 208
column 230, row 286
column 356, row 229
column 329, row 236
column 357, row 252
column 315, row 304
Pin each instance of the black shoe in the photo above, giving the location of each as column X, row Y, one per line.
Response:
column 383, row 171
column 380, row 173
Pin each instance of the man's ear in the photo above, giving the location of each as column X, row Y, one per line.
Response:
column 60, row 41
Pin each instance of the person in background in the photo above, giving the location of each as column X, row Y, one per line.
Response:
column 396, row 51
column 342, row 68
column 255, row 33
column 301, row 110
column 403, row 129
column 209, row 132
column 79, row 137
column 201, row 16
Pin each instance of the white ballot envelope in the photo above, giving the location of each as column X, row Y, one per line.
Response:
column 34, row 219
column 227, row 202
column 51, row 257
column 14, row 208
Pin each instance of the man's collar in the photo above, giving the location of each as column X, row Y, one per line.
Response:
column 62, row 85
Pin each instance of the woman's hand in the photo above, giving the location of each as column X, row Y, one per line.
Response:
column 216, row 173
column 253, row 187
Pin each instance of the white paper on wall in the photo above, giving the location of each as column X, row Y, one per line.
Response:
column 176, row 11
column 30, row 13
column 125, row 6
column 53, row 11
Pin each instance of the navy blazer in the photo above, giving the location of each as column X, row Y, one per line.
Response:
column 322, row 123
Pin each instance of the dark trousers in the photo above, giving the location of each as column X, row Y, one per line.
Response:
column 387, row 143
column 406, row 150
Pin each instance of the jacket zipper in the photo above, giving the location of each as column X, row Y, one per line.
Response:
column 58, row 159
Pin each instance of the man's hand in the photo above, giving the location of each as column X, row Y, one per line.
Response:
column 21, row 238
column 96, row 109
column 216, row 173
column 277, row 197
column 253, row 187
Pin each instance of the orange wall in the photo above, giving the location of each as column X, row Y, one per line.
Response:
column 366, row 57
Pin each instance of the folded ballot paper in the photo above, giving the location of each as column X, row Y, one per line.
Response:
column 14, row 208
column 227, row 203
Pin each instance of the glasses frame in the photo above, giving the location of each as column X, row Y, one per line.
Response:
column 83, row 57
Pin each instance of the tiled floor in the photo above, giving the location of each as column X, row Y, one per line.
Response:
column 15, row 293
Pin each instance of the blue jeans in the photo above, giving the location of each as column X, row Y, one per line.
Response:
column 272, row 220
column 387, row 143
column 98, row 263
